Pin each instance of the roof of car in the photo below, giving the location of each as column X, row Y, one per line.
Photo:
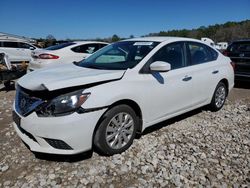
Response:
column 242, row 40
column 161, row 39
column 87, row 42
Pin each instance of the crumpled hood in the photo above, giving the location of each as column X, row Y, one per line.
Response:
column 65, row 76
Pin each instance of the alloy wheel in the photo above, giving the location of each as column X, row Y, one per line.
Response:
column 220, row 96
column 119, row 130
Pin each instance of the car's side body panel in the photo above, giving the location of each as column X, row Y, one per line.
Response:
column 17, row 51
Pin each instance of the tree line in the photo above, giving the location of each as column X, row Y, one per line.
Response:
column 226, row 32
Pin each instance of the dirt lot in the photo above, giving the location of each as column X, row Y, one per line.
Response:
column 200, row 148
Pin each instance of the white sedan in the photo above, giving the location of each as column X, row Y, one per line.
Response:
column 63, row 53
column 122, row 89
column 17, row 51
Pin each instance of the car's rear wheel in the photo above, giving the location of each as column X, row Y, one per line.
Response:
column 116, row 131
column 219, row 97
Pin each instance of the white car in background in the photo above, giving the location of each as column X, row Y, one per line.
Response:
column 17, row 51
column 63, row 53
column 122, row 89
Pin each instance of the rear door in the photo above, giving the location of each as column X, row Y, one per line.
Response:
column 205, row 70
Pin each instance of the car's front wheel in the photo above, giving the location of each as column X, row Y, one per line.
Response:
column 219, row 97
column 116, row 131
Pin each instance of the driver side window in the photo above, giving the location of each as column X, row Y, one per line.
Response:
column 171, row 53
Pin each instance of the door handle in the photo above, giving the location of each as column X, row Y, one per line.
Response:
column 187, row 78
column 215, row 72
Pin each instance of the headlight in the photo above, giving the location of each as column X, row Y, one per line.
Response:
column 63, row 104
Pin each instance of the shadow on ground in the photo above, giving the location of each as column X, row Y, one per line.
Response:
column 64, row 158
column 168, row 122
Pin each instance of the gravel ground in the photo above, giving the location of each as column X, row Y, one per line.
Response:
column 198, row 149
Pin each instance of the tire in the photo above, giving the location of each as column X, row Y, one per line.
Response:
column 219, row 97
column 116, row 130
column 7, row 84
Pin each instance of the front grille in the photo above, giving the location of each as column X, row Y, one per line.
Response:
column 24, row 103
column 58, row 144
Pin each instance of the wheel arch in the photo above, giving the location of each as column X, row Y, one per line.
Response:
column 225, row 81
column 134, row 106
column 128, row 102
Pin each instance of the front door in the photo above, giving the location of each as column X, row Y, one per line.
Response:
column 169, row 93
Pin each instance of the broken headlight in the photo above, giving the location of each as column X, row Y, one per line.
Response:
column 63, row 104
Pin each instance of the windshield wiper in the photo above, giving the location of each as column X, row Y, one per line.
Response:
column 76, row 63
column 92, row 67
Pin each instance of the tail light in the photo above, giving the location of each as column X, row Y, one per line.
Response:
column 233, row 65
column 48, row 56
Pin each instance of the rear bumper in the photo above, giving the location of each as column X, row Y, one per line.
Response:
column 35, row 65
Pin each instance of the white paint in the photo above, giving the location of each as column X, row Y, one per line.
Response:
column 160, row 96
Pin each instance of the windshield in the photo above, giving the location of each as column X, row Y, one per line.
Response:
column 119, row 56
column 60, row 46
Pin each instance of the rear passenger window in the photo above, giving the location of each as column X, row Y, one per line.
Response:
column 24, row 45
column 213, row 53
column 10, row 44
column 172, row 54
column 200, row 53
column 86, row 48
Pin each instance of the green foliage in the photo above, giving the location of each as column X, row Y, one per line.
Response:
column 219, row 32
column 50, row 40
column 115, row 38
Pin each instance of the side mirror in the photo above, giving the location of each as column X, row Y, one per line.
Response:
column 32, row 48
column 160, row 66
